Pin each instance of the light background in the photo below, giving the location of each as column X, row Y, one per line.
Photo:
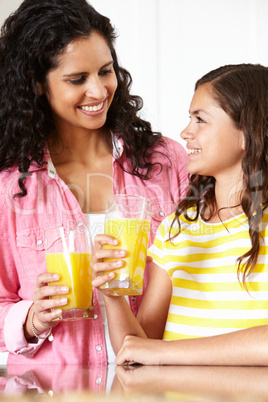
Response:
column 168, row 44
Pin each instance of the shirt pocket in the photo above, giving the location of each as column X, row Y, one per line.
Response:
column 31, row 253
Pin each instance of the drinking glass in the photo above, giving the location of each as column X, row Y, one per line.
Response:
column 68, row 253
column 128, row 220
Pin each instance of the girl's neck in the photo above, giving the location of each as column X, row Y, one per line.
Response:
column 227, row 201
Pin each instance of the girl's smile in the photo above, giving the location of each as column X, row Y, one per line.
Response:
column 215, row 146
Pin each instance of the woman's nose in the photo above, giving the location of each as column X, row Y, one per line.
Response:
column 95, row 89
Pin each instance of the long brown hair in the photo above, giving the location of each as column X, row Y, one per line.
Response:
column 31, row 39
column 242, row 92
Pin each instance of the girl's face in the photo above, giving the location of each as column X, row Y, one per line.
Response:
column 215, row 146
column 81, row 89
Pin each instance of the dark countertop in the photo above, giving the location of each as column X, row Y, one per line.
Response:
column 139, row 383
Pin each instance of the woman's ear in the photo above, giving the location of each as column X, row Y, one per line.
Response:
column 40, row 88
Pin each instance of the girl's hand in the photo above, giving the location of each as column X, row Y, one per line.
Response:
column 42, row 304
column 141, row 350
column 99, row 266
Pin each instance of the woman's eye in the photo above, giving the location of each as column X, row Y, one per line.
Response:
column 77, row 81
column 103, row 73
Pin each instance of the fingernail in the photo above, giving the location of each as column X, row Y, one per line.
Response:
column 115, row 241
column 57, row 312
column 118, row 263
column 56, row 276
column 63, row 300
column 122, row 252
column 65, row 289
column 111, row 274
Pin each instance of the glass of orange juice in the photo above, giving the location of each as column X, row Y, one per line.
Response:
column 68, row 253
column 128, row 220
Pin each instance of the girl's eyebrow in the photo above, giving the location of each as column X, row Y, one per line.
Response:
column 198, row 111
column 86, row 72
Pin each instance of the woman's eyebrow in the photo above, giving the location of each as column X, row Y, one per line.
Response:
column 86, row 72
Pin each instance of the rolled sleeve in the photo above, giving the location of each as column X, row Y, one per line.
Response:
column 14, row 332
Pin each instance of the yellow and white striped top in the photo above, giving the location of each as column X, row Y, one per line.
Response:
column 207, row 298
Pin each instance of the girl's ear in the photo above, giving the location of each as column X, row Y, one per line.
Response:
column 41, row 89
column 243, row 141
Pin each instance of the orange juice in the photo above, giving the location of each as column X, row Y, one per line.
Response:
column 75, row 272
column 133, row 235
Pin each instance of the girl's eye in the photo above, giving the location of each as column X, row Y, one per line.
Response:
column 199, row 120
column 77, row 81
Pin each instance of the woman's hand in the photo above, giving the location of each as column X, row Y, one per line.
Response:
column 102, row 270
column 42, row 304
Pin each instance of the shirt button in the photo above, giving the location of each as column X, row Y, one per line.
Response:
column 52, row 174
column 96, row 316
column 98, row 380
column 39, row 242
column 161, row 213
column 133, row 298
column 98, row 348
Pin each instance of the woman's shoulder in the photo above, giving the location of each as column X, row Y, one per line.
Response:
column 171, row 145
column 171, row 149
column 7, row 176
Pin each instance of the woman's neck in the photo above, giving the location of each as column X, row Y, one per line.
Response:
column 79, row 147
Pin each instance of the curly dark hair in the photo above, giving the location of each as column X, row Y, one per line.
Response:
column 30, row 41
column 242, row 92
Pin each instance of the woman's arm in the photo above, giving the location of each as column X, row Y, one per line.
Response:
column 246, row 347
column 151, row 318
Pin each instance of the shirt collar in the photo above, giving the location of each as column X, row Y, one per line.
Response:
column 118, row 147
column 51, row 170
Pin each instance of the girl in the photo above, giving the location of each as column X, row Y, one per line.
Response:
column 207, row 291
column 70, row 134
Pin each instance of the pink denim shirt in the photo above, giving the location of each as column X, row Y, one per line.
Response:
column 48, row 203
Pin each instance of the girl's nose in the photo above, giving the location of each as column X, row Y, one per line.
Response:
column 95, row 89
column 187, row 133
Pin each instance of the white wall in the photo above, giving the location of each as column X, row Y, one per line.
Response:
column 168, row 44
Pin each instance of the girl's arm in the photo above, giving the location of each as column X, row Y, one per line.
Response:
column 246, row 347
column 151, row 318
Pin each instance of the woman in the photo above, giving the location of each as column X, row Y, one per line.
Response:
column 70, row 136
column 210, row 257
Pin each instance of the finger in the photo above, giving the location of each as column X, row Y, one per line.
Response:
column 101, row 280
column 45, row 292
column 100, row 240
column 101, row 267
column 108, row 253
column 47, row 304
column 121, row 359
column 44, row 279
column 46, row 319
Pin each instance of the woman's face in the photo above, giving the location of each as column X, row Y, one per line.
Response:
column 81, row 89
column 215, row 146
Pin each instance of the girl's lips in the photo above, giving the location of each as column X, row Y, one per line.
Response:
column 192, row 151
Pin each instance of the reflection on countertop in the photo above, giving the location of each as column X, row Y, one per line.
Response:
column 134, row 383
